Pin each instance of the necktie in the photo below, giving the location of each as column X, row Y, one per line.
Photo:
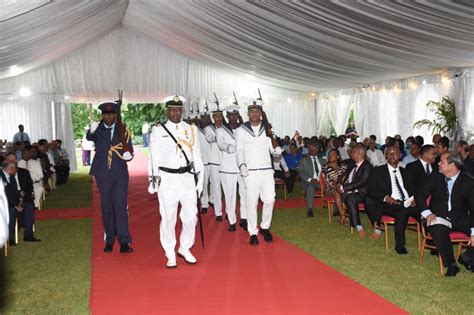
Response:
column 353, row 174
column 21, row 136
column 448, row 194
column 13, row 182
column 316, row 168
column 428, row 172
column 399, row 187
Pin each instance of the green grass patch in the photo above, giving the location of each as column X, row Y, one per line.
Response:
column 77, row 193
column 52, row 276
column 417, row 288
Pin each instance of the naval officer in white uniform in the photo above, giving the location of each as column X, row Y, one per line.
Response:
column 254, row 150
column 204, row 121
column 171, row 167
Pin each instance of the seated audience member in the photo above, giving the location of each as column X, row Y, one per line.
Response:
column 340, row 146
column 281, row 169
column 43, row 147
column 36, row 173
column 389, row 187
column 414, row 154
column 436, row 139
column 401, row 146
column 469, row 161
column 21, row 136
column 421, row 169
column 374, row 138
column 334, row 172
column 19, row 147
column 463, row 148
column 351, row 131
column 354, row 188
column 292, row 161
column 389, row 141
column 451, row 208
column 63, row 162
column 19, row 192
column 419, row 139
column 442, row 146
column 310, row 171
column 375, row 155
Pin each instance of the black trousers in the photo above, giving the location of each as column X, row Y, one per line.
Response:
column 62, row 173
column 440, row 235
column 27, row 217
column 352, row 201
column 114, row 203
column 289, row 181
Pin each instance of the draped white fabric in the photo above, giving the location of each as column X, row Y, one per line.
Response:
column 338, row 108
column 390, row 108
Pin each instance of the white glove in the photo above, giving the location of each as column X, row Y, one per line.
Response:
column 231, row 148
column 151, row 189
column 244, row 171
column 94, row 126
column 199, row 185
column 127, row 156
column 277, row 151
column 153, row 186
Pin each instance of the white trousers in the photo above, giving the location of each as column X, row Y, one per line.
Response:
column 205, row 190
column 175, row 189
column 229, row 186
column 260, row 184
column 38, row 189
column 216, row 190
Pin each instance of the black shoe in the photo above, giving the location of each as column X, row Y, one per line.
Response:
column 219, row 218
column 401, row 251
column 267, row 236
column 31, row 239
column 463, row 260
column 108, row 248
column 125, row 249
column 310, row 214
column 204, row 210
column 11, row 243
column 452, row 270
column 253, row 240
column 231, row 228
column 243, row 224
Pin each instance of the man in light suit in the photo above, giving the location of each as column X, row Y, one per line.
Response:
column 310, row 173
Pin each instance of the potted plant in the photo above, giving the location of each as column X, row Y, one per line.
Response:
column 445, row 121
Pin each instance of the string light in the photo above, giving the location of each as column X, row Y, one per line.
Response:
column 424, row 82
column 444, row 80
column 289, row 100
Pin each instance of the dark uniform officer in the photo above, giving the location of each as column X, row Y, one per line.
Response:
column 111, row 173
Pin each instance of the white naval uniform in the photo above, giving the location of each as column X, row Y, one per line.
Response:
column 215, row 157
column 36, row 172
column 253, row 151
column 230, row 174
column 205, row 152
column 176, row 189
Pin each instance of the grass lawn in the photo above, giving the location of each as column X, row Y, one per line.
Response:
column 50, row 277
column 417, row 288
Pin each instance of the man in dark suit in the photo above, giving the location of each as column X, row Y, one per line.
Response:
column 112, row 176
column 309, row 171
column 19, row 191
column 421, row 169
column 451, row 208
column 389, row 187
column 354, row 189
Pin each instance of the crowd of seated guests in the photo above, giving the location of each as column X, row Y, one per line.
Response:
column 395, row 179
column 29, row 172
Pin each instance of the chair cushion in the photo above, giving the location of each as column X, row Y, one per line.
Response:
column 458, row 236
column 361, row 206
column 329, row 198
column 389, row 219
column 279, row 181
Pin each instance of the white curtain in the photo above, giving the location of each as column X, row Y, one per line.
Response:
column 464, row 97
column 338, row 108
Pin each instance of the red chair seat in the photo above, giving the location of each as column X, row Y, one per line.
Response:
column 458, row 236
column 329, row 198
column 361, row 206
column 279, row 181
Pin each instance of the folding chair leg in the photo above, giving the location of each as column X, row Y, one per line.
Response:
column 422, row 250
column 418, row 234
column 5, row 249
column 16, row 231
column 285, row 193
column 386, row 236
column 440, row 265
column 330, row 212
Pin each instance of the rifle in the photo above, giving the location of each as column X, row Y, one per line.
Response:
column 216, row 101
column 266, row 124
column 241, row 120
column 121, row 125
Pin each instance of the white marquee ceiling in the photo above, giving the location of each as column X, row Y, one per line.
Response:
column 306, row 45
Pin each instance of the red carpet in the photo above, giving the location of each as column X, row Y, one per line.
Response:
column 76, row 213
column 231, row 277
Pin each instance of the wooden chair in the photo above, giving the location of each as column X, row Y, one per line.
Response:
column 457, row 238
column 281, row 183
column 320, row 193
column 388, row 220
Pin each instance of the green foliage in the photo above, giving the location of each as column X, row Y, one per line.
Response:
column 135, row 115
column 82, row 115
column 445, row 117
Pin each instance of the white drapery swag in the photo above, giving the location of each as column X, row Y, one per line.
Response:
column 390, row 108
column 44, row 117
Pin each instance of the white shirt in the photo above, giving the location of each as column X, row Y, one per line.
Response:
column 226, row 143
column 34, row 167
column 145, row 128
column 4, row 216
column 424, row 166
column 314, row 159
column 376, row 157
column 254, row 148
column 205, row 147
column 409, row 159
column 215, row 155
column 343, row 153
column 86, row 144
column 164, row 152
column 395, row 191
column 16, row 179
